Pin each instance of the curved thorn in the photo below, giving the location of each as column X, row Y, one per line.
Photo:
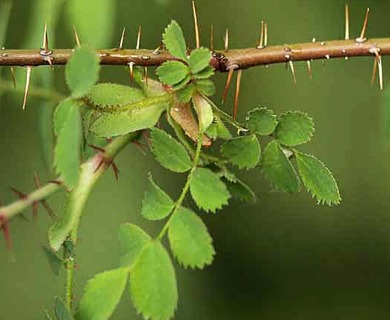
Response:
column 238, row 86
column 27, row 87
column 265, row 34
column 76, row 37
column 261, row 40
column 292, row 68
column 139, row 38
column 228, row 81
column 196, row 26
column 362, row 34
column 346, row 22
column 131, row 71
column 121, row 41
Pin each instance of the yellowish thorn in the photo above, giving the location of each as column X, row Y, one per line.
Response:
column 13, row 76
column 139, row 37
column 196, row 25
column 227, row 40
column 309, row 69
column 238, row 86
column 121, row 41
column 27, row 87
column 346, row 22
column 292, row 68
column 76, row 37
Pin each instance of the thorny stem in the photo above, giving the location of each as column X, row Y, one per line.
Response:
column 185, row 188
column 221, row 61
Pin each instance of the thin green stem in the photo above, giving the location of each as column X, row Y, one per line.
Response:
column 69, row 265
column 185, row 188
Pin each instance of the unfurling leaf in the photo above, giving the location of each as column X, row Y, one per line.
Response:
column 204, row 111
column 107, row 96
column 294, row 128
column 82, row 71
column 241, row 191
column 208, row 191
column 132, row 239
column 243, row 152
column 67, row 152
column 218, row 130
column 153, row 285
column 169, row 152
column 190, row 241
column 278, row 169
column 173, row 72
column 61, row 311
column 261, row 121
column 318, row 179
column 199, row 60
column 174, row 41
column 102, row 295
column 156, row 204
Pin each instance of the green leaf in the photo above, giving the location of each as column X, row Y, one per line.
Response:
column 205, row 87
column 294, row 128
column 67, row 126
column 204, row 111
column 261, row 121
column 153, row 285
column 199, row 60
column 156, row 204
column 185, row 94
column 189, row 239
column 94, row 20
column 61, row 311
column 82, row 71
column 278, row 169
column 241, row 191
column 318, row 179
column 132, row 239
column 172, row 72
column 208, row 191
column 107, row 96
column 54, row 261
column 117, row 124
column 174, row 41
column 218, row 130
column 204, row 74
column 169, row 152
column 102, row 295
column 243, row 152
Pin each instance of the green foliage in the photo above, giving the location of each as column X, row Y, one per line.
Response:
column 67, row 127
column 318, row 179
column 294, row 128
column 204, row 111
column 156, row 204
column 173, row 72
column 102, row 295
column 174, row 41
column 261, row 121
column 61, row 311
column 189, row 239
column 132, row 239
column 218, row 130
column 169, row 153
column 199, row 60
column 208, row 191
column 241, row 191
column 243, row 152
column 82, row 71
column 278, row 169
column 153, row 283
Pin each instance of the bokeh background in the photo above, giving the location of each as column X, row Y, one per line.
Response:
column 282, row 258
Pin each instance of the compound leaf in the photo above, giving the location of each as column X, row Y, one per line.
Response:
column 278, row 169
column 102, row 295
column 82, row 71
column 67, row 126
column 169, row 152
column 153, row 285
column 294, row 128
column 156, row 204
column 318, row 179
column 189, row 239
column 241, row 191
column 243, row 152
column 218, row 130
column 174, row 41
column 208, row 191
column 173, row 72
column 199, row 60
column 261, row 121
column 132, row 239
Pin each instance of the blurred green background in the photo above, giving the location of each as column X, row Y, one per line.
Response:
column 283, row 258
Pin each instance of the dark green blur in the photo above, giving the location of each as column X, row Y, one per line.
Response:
column 285, row 257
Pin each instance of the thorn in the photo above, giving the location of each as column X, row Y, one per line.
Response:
column 139, row 38
column 157, row 50
column 146, row 75
column 238, row 86
column 227, row 40
column 131, row 71
column 265, row 34
column 309, row 69
column 228, row 81
column 13, row 76
column 20, row 194
column 374, row 71
column 59, row 183
column 377, row 65
column 140, row 147
column 380, row 68
column 43, row 202
column 261, row 40
column 96, row 148
column 346, row 22
column 197, row 39
column 291, row 64
column 76, row 37
column 27, row 87
column 362, row 34
column 121, row 41
column 45, row 41
column 105, row 161
column 116, row 170
column 212, row 37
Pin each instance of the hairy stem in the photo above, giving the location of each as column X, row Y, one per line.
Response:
column 221, row 60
